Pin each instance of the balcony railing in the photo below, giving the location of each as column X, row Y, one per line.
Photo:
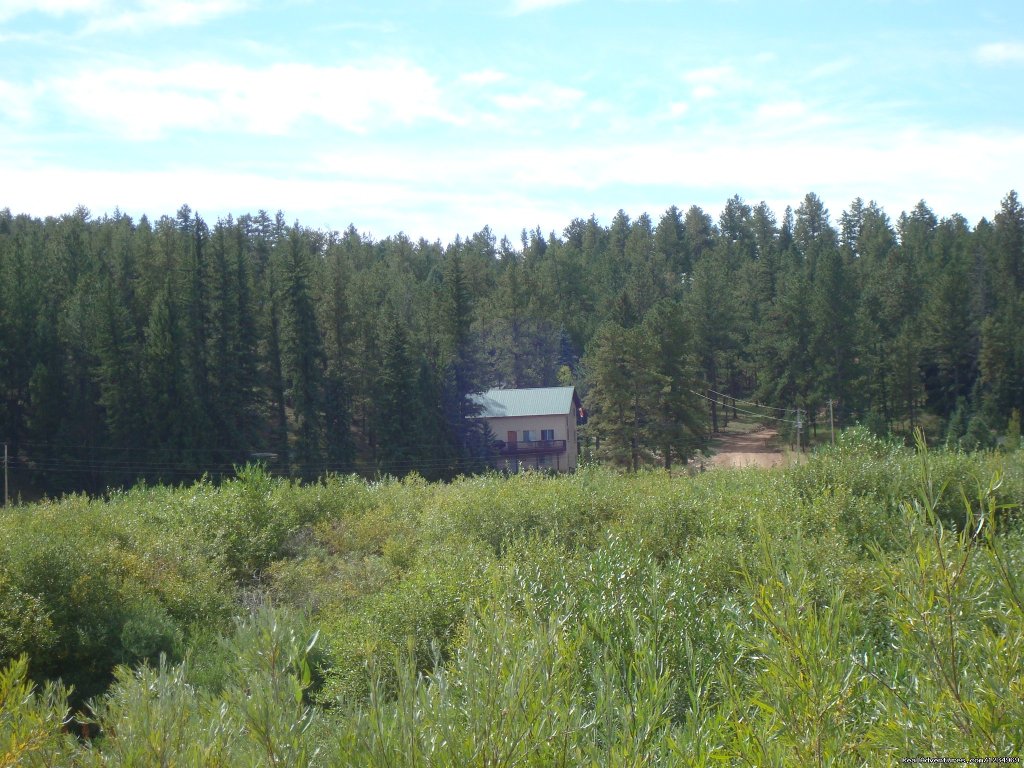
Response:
column 533, row 446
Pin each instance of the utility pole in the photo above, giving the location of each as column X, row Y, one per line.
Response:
column 831, row 422
column 799, row 426
column 5, row 475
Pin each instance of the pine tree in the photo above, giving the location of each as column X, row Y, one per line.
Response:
column 302, row 356
column 624, row 392
column 1002, row 351
column 396, row 406
column 833, row 307
column 698, row 236
column 670, row 242
column 711, row 312
column 168, row 400
column 340, row 446
column 510, row 326
column 231, row 349
column 194, row 240
column 677, row 423
column 462, row 367
column 787, row 376
column 647, row 269
column 951, row 330
column 116, row 372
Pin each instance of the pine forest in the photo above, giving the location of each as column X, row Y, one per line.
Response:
column 163, row 351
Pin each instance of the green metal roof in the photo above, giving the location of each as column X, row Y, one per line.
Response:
column 541, row 401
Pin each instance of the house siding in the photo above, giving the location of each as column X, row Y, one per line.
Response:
column 562, row 424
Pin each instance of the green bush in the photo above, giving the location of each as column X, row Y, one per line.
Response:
column 855, row 609
column 25, row 624
column 32, row 720
column 423, row 614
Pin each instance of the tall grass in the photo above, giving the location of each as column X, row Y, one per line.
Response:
column 859, row 609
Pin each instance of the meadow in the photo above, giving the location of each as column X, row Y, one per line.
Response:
column 861, row 608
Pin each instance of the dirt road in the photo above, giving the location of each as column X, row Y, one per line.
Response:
column 746, row 449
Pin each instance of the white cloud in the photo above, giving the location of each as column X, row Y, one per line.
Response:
column 831, row 69
column 678, row 108
column 109, row 15
column 573, row 180
column 165, row 13
column 708, row 82
column 11, row 8
column 780, row 110
column 541, row 96
column 143, row 104
column 717, row 74
column 1001, row 53
column 526, row 6
column 483, row 77
column 15, row 101
column 459, row 189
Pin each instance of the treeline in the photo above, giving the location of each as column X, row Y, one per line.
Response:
column 162, row 350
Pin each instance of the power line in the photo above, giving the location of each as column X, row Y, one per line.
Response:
column 92, row 465
column 748, row 402
column 742, row 410
column 133, row 449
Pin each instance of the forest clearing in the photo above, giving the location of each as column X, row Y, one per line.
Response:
column 740, row 447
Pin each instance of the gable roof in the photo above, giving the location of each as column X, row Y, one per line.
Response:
column 540, row 401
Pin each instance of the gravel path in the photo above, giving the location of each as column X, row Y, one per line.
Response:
column 746, row 449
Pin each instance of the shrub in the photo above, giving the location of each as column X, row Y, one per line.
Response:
column 32, row 720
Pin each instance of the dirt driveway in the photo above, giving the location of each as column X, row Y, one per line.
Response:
column 746, row 449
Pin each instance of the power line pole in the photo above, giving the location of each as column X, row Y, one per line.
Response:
column 799, row 427
column 5, row 475
column 831, row 422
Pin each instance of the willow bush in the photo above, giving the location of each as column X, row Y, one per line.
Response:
column 858, row 609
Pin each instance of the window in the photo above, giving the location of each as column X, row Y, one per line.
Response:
column 544, row 462
column 547, row 434
column 529, row 435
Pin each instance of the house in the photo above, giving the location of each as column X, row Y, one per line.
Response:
column 533, row 428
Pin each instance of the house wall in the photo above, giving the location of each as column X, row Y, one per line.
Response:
column 564, row 426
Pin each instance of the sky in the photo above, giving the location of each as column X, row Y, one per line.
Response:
column 440, row 117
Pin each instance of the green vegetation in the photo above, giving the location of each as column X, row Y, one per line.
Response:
column 162, row 350
column 860, row 608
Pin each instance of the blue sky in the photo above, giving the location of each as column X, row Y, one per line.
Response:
column 439, row 117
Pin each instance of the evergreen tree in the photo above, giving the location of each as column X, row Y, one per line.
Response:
column 647, row 269
column 166, row 393
column 340, row 445
column 711, row 311
column 670, row 242
column 231, row 348
column 698, row 234
column 1002, row 350
column 677, row 423
column 951, row 332
column 462, row 367
column 397, row 406
column 303, row 356
column 833, row 307
column 787, row 377
column 624, row 393
column 117, row 373
column 194, row 240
